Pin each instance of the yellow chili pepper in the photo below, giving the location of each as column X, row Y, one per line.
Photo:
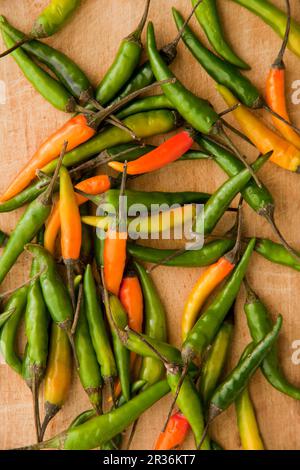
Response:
column 285, row 154
column 247, row 424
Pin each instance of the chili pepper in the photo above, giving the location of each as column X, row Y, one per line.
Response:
column 58, row 374
column 131, row 297
column 211, row 319
column 239, row 377
column 67, row 72
column 275, row 89
column 146, row 104
column 215, row 361
column 53, row 91
column 55, row 293
column 97, row 328
column 208, row 17
column 196, row 111
column 70, row 227
column 155, row 325
column 207, row 282
column 89, row 371
column 167, row 152
column 28, row 226
column 51, row 20
column 114, row 259
column 103, row 428
column 285, row 154
column 221, row 199
column 121, row 352
column 143, row 125
column 36, row 326
column 126, row 61
column 276, row 253
column 175, row 433
column 275, row 18
column 16, row 303
column 260, row 325
column 75, row 132
column 205, row 256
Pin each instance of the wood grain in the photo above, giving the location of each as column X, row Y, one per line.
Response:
column 91, row 39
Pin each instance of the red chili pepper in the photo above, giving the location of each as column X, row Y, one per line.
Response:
column 167, row 152
column 174, row 434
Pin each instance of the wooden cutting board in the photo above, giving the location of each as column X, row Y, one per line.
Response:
column 91, row 39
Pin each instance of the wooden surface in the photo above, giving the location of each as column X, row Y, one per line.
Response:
column 92, row 38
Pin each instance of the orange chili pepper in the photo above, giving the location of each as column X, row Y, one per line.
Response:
column 284, row 154
column 131, row 297
column 168, row 152
column 75, row 131
column 174, row 434
column 275, row 90
column 95, row 185
column 114, row 255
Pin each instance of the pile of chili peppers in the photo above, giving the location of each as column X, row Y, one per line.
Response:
column 89, row 303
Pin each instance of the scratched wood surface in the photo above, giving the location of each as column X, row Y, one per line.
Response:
column 91, row 39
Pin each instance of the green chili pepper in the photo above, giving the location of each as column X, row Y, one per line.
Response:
column 26, row 196
column 89, row 371
column 143, row 125
column 215, row 361
column 207, row 15
column 221, row 199
column 97, row 327
column 205, row 256
column 155, row 325
column 213, row 315
column 16, row 303
column 194, row 110
column 276, row 253
column 53, row 17
column 222, row 72
column 189, row 404
column 54, row 290
column 68, row 73
column 125, row 63
column 146, row 104
column 101, row 429
column 237, row 380
column 275, row 18
column 27, row 227
column 122, row 354
column 48, row 87
column 260, row 325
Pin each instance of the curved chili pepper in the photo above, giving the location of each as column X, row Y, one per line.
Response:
column 215, row 361
column 174, row 434
column 36, row 327
column 284, row 154
column 75, row 132
column 211, row 319
column 58, row 374
column 148, row 103
column 260, row 325
column 70, row 221
column 276, row 253
column 275, row 18
column 67, row 72
column 167, row 152
column 17, row 304
column 155, row 325
column 53, row 91
column 89, row 371
column 126, row 61
column 207, row 15
column 103, row 428
column 97, row 328
column 28, row 226
column 143, row 125
column 247, row 424
column 239, row 377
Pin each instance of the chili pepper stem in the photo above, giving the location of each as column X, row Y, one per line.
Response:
column 213, row 413
column 229, row 110
column 36, row 408
column 51, row 411
column 175, row 42
column 277, row 116
column 26, row 283
column 180, row 383
column 136, row 35
column 268, row 214
column 237, row 132
column 278, row 63
column 16, row 46
column 78, row 307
